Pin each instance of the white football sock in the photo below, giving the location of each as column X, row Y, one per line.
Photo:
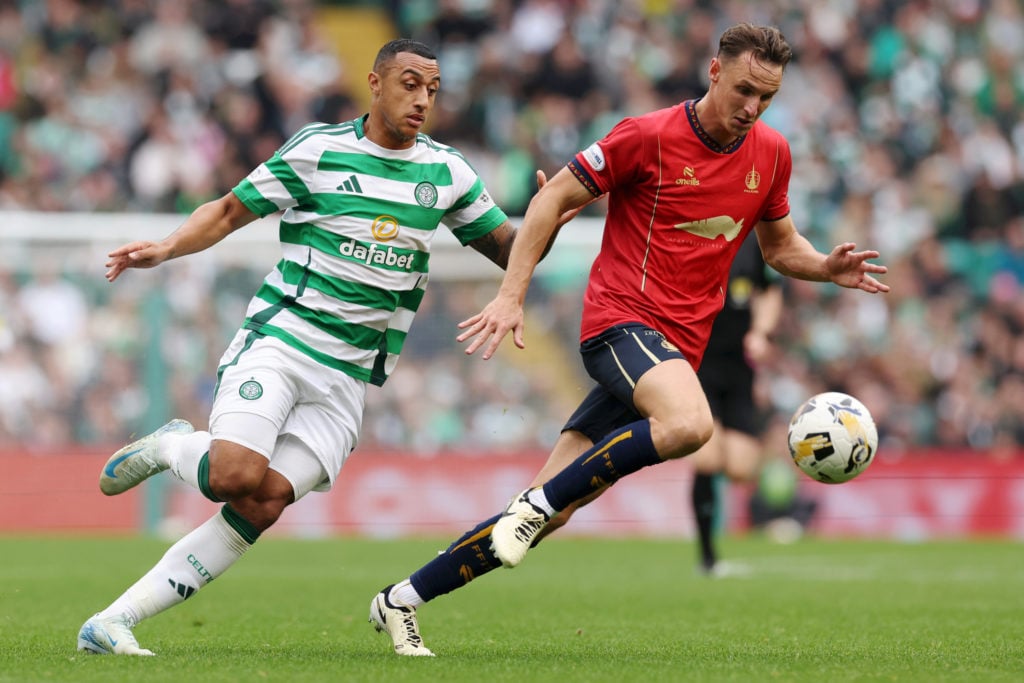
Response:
column 403, row 592
column 191, row 563
column 182, row 453
column 537, row 497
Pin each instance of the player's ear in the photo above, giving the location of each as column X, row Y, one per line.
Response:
column 715, row 70
column 373, row 79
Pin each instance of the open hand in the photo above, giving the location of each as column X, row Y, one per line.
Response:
column 134, row 255
column 490, row 326
column 848, row 268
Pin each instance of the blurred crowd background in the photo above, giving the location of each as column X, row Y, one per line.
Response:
column 905, row 117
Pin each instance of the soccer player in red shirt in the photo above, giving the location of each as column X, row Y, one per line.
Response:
column 685, row 186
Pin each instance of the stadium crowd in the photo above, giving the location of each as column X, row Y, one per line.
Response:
column 906, row 120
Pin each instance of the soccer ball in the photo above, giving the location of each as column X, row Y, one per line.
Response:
column 832, row 437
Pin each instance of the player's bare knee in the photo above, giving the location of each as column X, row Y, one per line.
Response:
column 274, row 495
column 681, row 435
column 233, row 483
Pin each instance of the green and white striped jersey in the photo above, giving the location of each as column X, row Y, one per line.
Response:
column 355, row 237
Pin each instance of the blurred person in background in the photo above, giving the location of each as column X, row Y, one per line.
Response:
column 362, row 201
column 779, row 506
column 741, row 339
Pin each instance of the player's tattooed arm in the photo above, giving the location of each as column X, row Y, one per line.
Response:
column 497, row 244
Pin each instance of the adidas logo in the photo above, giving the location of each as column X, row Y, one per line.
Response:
column 183, row 590
column 351, row 185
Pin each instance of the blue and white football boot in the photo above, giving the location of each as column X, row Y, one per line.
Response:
column 109, row 636
column 139, row 460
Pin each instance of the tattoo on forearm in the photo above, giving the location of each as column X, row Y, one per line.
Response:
column 496, row 245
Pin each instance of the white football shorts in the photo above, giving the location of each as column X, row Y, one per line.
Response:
column 267, row 391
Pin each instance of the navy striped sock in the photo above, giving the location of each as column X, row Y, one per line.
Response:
column 622, row 452
column 464, row 560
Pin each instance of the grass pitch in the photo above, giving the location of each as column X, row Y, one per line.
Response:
column 576, row 610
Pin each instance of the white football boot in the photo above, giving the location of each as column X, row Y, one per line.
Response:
column 139, row 460
column 517, row 528
column 399, row 621
column 109, row 636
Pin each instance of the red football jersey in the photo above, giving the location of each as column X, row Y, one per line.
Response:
column 679, row 207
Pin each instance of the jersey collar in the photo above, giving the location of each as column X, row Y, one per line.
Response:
column 690, row 106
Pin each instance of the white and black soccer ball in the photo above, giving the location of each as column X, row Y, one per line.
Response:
column 832, row 437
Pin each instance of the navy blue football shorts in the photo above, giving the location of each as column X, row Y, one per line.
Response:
column 616, row 359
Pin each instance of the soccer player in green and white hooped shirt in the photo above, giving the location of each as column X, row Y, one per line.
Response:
column 361, row 201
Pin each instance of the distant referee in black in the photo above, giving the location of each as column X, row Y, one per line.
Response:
column 740, row 340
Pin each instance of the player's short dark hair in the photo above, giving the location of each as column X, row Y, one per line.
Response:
column 388, row 52
column 765, row 42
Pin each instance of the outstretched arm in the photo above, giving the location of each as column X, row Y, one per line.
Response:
column 552, row 206
column 789, row 252
column 208, row 224
column 497, row 244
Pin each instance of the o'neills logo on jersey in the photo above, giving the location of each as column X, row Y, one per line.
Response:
column 711, row 228
column 376, row 255
column 689, row 177
column 752, row 181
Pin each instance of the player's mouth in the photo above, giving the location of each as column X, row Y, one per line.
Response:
column 416, row 120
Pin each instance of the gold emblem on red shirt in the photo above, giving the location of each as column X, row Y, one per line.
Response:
column 711, row 228
column 753, row 180
column 689, row 177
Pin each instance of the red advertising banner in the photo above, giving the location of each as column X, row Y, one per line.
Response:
column 922, row 495
column 60, row 492
column 927, row 495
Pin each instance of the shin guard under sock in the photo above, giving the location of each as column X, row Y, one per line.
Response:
column 622, row 452
column 188, row 565
column 464, row 560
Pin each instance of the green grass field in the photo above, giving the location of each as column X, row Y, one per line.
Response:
column 576, row 610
